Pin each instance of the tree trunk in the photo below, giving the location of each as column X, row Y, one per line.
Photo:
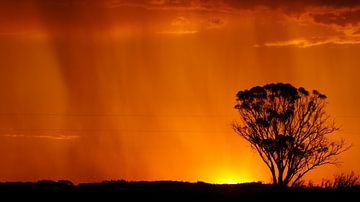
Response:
column 280, row 178
column 274, row 176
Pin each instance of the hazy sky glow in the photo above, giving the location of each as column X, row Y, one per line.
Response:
column 144, row 89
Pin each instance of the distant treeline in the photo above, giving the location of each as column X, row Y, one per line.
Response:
column 173, row 191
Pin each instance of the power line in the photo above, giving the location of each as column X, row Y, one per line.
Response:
column 12, row 130
column 114, row 115
column 122, row 114
column 107, row 130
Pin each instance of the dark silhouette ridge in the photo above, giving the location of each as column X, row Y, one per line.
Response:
column 289, row 129
column 170, row 191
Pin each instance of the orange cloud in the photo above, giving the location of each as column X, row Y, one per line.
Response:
column 301, row 43
column 184, row 25
column 305, row 43
column 215, row 22
column 181, row 25
column 180, row 22
column 178, row 32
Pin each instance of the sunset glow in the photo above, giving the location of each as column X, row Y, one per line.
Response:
column 94, row 90
column 231, row 179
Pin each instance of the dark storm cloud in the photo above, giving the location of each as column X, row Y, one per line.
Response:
column 293, row 3
column 87, row 16
column 65, row 9
column 243, row 4
column 237, row 4
column 341, row 19
column 338, row 12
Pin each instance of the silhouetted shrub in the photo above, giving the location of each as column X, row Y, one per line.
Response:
column 342, row 181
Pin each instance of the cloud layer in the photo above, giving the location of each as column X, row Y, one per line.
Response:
column 184, row 17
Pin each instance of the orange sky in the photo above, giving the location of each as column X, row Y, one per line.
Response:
column 144, row 90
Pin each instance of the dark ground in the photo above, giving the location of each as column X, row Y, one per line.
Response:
column 170, row 191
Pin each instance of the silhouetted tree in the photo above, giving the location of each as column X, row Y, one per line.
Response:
column 288, row 127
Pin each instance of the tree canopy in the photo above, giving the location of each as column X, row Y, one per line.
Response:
column 289, row 129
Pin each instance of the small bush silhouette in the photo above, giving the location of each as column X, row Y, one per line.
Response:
column 342, row 181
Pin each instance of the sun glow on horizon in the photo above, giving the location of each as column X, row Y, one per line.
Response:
column 231, row 182
column 231, row 178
